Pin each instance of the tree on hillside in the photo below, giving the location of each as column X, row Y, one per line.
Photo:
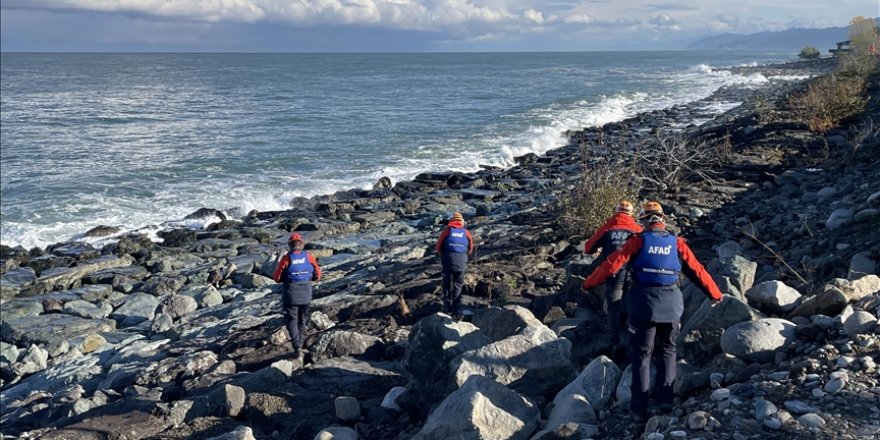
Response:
column 864, row 35
column 809, row 53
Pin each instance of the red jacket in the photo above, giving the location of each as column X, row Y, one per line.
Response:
column 619, row 220
column 691, row 267
column 285, row 261
column 445, row 233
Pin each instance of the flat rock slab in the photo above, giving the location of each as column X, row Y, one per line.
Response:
column 51, row 329
column 129, row 426
column 351, row 377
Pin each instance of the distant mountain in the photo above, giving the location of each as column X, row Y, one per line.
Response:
column 789, row 39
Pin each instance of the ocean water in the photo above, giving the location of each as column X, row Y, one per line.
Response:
column 135, row 140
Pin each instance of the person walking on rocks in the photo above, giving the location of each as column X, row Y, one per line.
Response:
column 655, row 302
column 297, row 269
column 609, row 238
column 454, row 246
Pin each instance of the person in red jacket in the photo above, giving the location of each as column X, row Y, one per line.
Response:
column 297, row 269
column 609, row 238
column 454, row 246
column 655, row 302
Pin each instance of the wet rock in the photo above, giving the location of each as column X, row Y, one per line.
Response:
column 481, row 409
column 102, row 231
column 758, row 341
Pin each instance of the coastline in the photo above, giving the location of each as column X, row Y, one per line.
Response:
column 182, row 320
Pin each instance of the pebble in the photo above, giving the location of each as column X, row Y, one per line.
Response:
column 818, row 393
column 845, row 361
column 720, row 394
column 678, row 434
column 811, row 420
column 698, row 420
column 798, row 407
column 773, row 423
column 778, row 376
column 764, row 409
column 655, row 436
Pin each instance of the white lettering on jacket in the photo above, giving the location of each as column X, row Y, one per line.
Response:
column 458, row 234
column 298, row 260
column 664, row 250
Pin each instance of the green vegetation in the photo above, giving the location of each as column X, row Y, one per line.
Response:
column 809, row 53
column 841, row 95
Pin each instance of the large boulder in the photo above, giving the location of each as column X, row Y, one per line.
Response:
column 773, row 296
column 433, row 342
column 534, row 362
column 739, row 271
column 138, row 307
column 482, row 409
column 758, row 341
column 571, row 408
column 51, row 330
column 344, row 343
column 700, row 338
column 623, row 393
column 858, row 323
column 597, row 382
column 59, row 278
column 498, row 323
column 835, row 295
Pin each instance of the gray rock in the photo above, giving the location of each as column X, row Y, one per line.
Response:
column 321, row 321
column 21, row 308
column 60, row 278
column 740, row 271
column 161, row 324
column 811, row 420
column 861, row 264
column 162, row 285
column 205, row 296
column 798, row 407
column 343, row 343
column 858, row 323
column 728, row 250
column 240, row 433
column 177, row 306
column 14, row 280
column 773, row 423
column 571, row 408
column 835, row 385
column 481, row 409
column 758, row 341
column 866, row 215
column 498, row 323
column 9, row 353
column 85, row 309
column 720, row 394
column 348, row 409
column 433, row 342
column 252, row 280
column 568, row 431
column 51, row 330
column 773, row 296
column 337, row 433
column 138, row 307
column 390, row 399
column 700, row 338
column 533, row 362
column 597, row 382
column 839, row 217
column 764, row 409
column 698, row 420
column 35, row 359
column 235, row 398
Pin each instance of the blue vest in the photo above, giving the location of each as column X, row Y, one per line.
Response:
column 457, row 241
column 300, row 269
column 614, row 240
column 657, row 263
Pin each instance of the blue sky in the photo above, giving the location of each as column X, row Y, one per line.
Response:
column 399, row 25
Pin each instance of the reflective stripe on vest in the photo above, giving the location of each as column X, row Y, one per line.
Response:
column 457, row 241
column 300, row 268
column 657, row 263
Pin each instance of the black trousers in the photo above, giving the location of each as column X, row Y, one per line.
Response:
column 614, row 306
column 296, row 318
column 643, row 337
column 453, row 281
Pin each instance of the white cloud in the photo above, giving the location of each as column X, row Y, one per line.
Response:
column 535, row 16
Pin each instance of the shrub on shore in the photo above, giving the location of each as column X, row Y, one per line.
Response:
column 809, row 53
column 841, row 95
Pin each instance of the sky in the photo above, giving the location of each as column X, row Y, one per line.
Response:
column 399, row 25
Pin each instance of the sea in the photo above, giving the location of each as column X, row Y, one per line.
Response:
column 141, row 140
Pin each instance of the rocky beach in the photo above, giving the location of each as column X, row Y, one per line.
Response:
column 184, row 338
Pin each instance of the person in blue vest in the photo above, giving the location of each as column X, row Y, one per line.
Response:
column 454, row 246
column 654, row 302
column 610, row 237
column 297, row 269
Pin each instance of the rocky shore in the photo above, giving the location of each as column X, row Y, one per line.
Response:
column 184, row 338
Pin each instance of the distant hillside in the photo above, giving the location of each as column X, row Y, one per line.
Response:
column 789, row 39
